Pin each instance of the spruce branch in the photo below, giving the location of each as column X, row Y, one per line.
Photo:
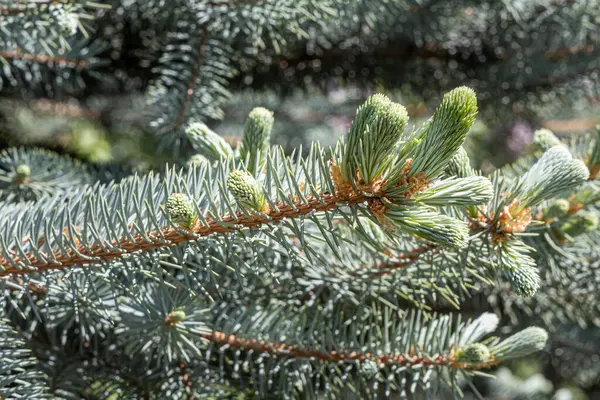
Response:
column 18, row 54
column 290, row 188
column 166, row 237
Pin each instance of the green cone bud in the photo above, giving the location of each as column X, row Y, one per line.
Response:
column 427, row 223
column 543, row 139
column 23, row 172
column 255, row 140
column 207, row 142
column 246, row 191
column 175, row 317
column 557, row 209
column 180, row 210
column 474, row 354
column 579, row 224
column 373, row 135
column 529, row 340
column 445, row 132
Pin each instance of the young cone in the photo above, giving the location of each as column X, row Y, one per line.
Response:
column 180, row 210
column 444, row 134
column 373, row 135
column 255, row 140
column 247, row 191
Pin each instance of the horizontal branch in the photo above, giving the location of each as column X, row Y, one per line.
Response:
column 280, row 349
column 167, row 237
column 44, row 59
column 22, row 8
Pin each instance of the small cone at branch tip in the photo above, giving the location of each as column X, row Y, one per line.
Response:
column 180, row 210
column 255, row 140
column 473, row 354
column 247, row 191
column 543, row 139
column 372, row 137
column 528, row 341
column 23, row 172
column 557, row 209
column 444, row 134
column 175, row 317
column 257, row 129
column 579, row 224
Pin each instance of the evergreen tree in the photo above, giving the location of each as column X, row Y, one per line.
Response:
column 384, row 265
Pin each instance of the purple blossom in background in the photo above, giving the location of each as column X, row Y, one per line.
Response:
column 519, row 135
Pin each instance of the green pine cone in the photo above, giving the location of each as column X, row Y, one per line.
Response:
column 373, row 135
column 474, row 354
column 23, row 172
column 175, row 316
column 255, row 140
column 444, row 134
column 180, row 210
column 247, row 191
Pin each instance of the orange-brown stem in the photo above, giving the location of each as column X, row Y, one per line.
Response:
column 171, row 236
column 44, row 59
column 26, row 7
column 280, row 349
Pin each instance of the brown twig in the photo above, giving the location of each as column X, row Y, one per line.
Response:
column 44, row 59
column 281, row 349
column 98, row 253
column 25, row 7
